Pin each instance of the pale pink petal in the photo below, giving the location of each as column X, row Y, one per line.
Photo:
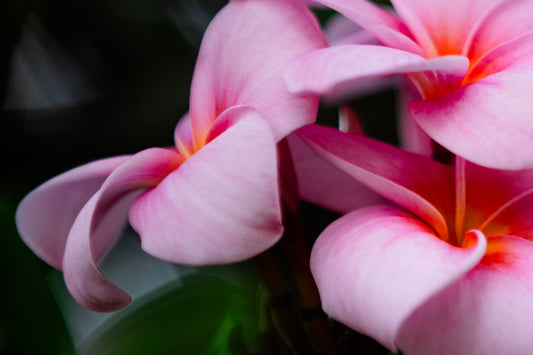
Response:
column 489, row 122
column 241, row 61
column 405, row 178
column 381, row 23
column 222, row 204
column 488, row 311
column 439, row 28
column 337, row 71
column 183, row 138
column 44, row 217
column 325, row 185
column 375, row 266
column 508, row 21
column 99, row 223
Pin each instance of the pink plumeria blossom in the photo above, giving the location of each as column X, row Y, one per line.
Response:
column 471, row 63
column 446, row 269
column 214, row 197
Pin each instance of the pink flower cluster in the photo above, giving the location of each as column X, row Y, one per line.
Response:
column 429, row 258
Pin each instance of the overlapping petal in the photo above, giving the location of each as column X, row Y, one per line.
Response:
column 337, row 70
column 241, row 62
column 404, row 178
column 383, row 24
column 99, row 223
column 438, row 30
column 488, row 311
column 222, row 204
column 321, row 183
column 377, row 265
column 44, row 217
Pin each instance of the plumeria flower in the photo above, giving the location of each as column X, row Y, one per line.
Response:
column 211, row 199
column 470, row 62
column 445, row 268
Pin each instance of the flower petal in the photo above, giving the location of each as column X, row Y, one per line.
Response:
column 513, row 188
column 323, row 184
column 241, row 60
column 376, row 265
column 383, row 24
column 222, row 204
column 441, row 29
column 405, row 178
column 488, row 311
column 337, row 71
column 508, row 21
column 489, row 122
column 44, row 217
column 99, row 223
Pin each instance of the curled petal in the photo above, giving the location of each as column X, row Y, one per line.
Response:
column 222, row 204
column 375, row 266
column 487, row 311
column 241, row 61
column 45, row 215
column 99, row 223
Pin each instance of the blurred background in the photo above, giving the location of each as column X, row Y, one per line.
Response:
column 82, row 80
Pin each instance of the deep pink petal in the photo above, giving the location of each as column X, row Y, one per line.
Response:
column 241, row 61
column 324, row 185
column 488, row 311
column 222, row 204
column 383, row 24
column 337, row 71
column 375, row 266
column 99, row 223
column 489, row 122
column 44, row 217
column 414, row 182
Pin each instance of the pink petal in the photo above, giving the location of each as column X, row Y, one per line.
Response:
column 324, row 185
column 241, row 60
column 183, row 137
column 337, row 71
column 383, row 24
column 488, row 311
column 374, row 266
column 489, row 122
column 508, row 21
column 414, row 182
column 44, row 217
column 99, row 224
column 439, row 28
column 222, row 204
column 513, row 187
